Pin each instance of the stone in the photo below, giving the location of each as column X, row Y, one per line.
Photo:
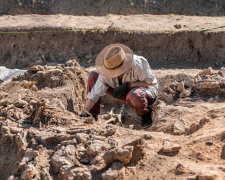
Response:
column 133, row 141
column 207, row 175
column 180, row 86
column 179, row 127
column 36, row 68
column 95, row 147
column 79, row 173
column 64, row 156
column 123, row 155
column 170, row 147
column 180, row 169
column 81, row 137
column 113, row 172
column 207, row 71
column 108, row 131
column 21, row 103
column 29, row 173
column 188, row 81
column 50, row 137
column 207, row 84
column 194, row 127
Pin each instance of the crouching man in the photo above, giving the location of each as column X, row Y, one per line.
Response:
column 125, row 77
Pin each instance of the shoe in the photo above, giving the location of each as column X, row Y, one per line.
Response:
column 146, row 120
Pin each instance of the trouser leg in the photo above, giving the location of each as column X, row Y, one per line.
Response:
column 139, row 101
column 92, row 78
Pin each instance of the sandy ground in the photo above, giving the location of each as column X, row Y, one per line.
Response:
column 41, row 129
column 143, row 23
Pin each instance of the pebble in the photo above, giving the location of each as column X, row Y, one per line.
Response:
column 170, row 147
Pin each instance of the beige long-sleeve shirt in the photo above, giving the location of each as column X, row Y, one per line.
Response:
column 140, row 71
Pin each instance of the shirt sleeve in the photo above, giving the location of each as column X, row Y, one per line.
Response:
column 98, row 90
column 145, row 73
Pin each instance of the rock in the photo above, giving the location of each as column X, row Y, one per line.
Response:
column 170, row 147
column 108, row 131
column 36, row 68
column 113, row 172
column 180, row 86
column 81, row 137
column 123, row 155
column 64, row 156
column 207, row 175
column 79, row 173
column 203, row 121
column 207, row 84
column 21, row 104
column 179, row 127
column 188, row 81
column 50, row 137
column 207, row 71
column 185, row 93
column 95, row 147
column 29, row 173
column 134, row 141
column 181, row 169
column 194, row 127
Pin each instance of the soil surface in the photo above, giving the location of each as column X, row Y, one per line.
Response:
column 42, row 135
column 167, row 40
column 123, row 7
column 42, row 132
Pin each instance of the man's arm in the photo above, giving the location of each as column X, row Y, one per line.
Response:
column 89, row 104
column 93, row 96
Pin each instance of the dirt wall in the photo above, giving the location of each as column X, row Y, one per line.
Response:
column 179, row 48
column 125, row 7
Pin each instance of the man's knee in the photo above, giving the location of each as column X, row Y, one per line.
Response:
column 136, row 98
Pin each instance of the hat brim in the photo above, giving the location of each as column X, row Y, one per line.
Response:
column 113, row 73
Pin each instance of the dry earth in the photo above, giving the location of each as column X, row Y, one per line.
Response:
column 41, row 133
column 42, row 136
column 164, row 40
column 104, row 7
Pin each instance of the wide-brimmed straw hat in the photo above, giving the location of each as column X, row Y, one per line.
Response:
column 114, row 60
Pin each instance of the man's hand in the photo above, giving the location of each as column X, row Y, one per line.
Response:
column 121, row 90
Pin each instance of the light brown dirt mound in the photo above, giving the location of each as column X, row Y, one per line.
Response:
column 41, row 131
column 104, row 7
